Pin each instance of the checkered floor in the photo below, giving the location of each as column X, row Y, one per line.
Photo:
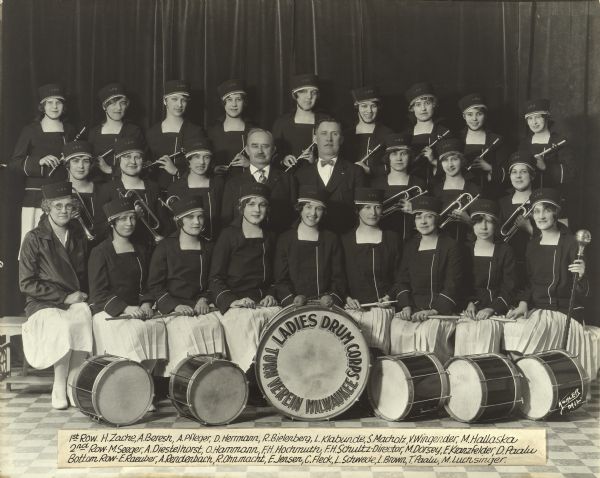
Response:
column 28, row 436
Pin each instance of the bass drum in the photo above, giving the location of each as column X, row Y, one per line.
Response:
column 209, row 390
column 112, row 389
column 407, row 386
column 312, row 362
column 554, row 382
column 483, row 387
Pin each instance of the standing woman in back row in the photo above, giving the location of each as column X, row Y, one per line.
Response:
column 37, row 154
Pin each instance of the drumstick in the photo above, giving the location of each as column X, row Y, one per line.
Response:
column 458, row 318
column 385, row 302
column 155, row 316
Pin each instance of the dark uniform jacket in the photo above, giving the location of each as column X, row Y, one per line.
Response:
column 560, row 163
column 420, row 165
column 357, row 146
column 226, row 144
column 48, row 272
column 291, row 137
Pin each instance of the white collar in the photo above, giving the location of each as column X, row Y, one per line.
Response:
column 254, row 169
column 332, row 159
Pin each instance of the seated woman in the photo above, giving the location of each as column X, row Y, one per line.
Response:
column 491, row 268
column 544, row 303
column 429, row 282
column 179, row 283
column 309, row 264
column 241, row 277
column 52, row 276
column 372, row 259
column 118, row 272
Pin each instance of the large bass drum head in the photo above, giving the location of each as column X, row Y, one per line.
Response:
column 123, row 392
column 312, row 362
column 218, row 393
column 390, row 389
column 538, row 390
column 466, row 389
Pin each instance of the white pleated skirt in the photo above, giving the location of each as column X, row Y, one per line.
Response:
column 544, row 330
column 200, row 334
column 50, row 333
column 375, row 326
column 243, row 328
column 477, row 337
column 431, row 335
column 132, row 339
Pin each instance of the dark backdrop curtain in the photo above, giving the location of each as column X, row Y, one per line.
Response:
column 508, row 51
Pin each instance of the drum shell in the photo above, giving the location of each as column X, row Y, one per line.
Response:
column 88, row 382
column 291, row 313
column 426, row 381
column 501, row 387
column 566, row 376
column 186, row 379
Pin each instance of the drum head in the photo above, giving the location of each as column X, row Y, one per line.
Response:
column 538, row 391
column 390, row 389
column 218, row 393
column 123, row 392
column 312, row 362
column 466, row 389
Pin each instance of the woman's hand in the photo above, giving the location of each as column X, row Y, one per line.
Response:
column 577, row 267
column 299, row 300
column 246, row 302
column 146, row 308
column 520, row 310
column 289, row 161
column 406, row 206
column 461, row 216
column 240, row 160
column 428, row 153
column 540, row 162
column 202, row 307
column 103, row 166
column 484, row 314
column 382, row 300
column 135, row 312
column 268, row 301
column 480, row 163
column 406, row 313
column 471, row 311
column 49, row 160
column 75, row 297
column 352, row 304
column 422, row 315
column 167, row 164
column 183, row 309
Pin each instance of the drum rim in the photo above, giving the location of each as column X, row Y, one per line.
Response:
column 539, row 357
column 102, row 376
column 294, row 309
column 411, row 389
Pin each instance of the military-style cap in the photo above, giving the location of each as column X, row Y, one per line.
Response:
column 117, row 208
column 366, row 93
column 230, row 87
column 254, row 189
column 419, row 90
column 368, row 196
column 312, row 194
column 521, row 157
column 307, row 80
column 545, row 195
column 396, row 141
column 196, row 145
column 484, row 206
column 127, row 145
column 449, row 146
column 474, row 100
column 51, row 90
column 76, row 148
column 111, row 91
column 187, row 205
column 62, row 189
column 176, row 87
column 540, row 106
column 426, row 204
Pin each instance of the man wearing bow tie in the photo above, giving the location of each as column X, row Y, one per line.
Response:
column 333, row 174
column 260, row 150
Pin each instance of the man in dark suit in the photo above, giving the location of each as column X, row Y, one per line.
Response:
column 260, row 150
column 333, row 174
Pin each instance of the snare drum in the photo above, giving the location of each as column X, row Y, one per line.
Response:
column 554, row 381
column 113, row 389
column 483, row 387
column 210, row 390
column 407, row 386
column 312, row 362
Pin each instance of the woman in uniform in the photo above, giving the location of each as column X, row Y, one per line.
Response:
column 372, row 259
column 37, row 154
column 199, row 181
column 52, row 276
column 102, row 137
column 179, row 284
column 429, row 283
column 396, row 211
column 241, row 276
column 118, row 275
column 166, row 138
column 309, row 262
column 491, row 271
column 228, row 135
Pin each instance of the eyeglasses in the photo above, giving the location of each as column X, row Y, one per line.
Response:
column 60, row 206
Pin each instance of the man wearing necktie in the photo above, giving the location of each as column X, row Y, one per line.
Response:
column 260, row 150
column 333, row 174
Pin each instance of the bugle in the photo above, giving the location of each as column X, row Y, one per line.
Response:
column 484, row 152
column 168, row 203
column 392, row 204
column 139, row 203
column 510, row 227
column 460, row 204
column 83, row 210
column 303, row 155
